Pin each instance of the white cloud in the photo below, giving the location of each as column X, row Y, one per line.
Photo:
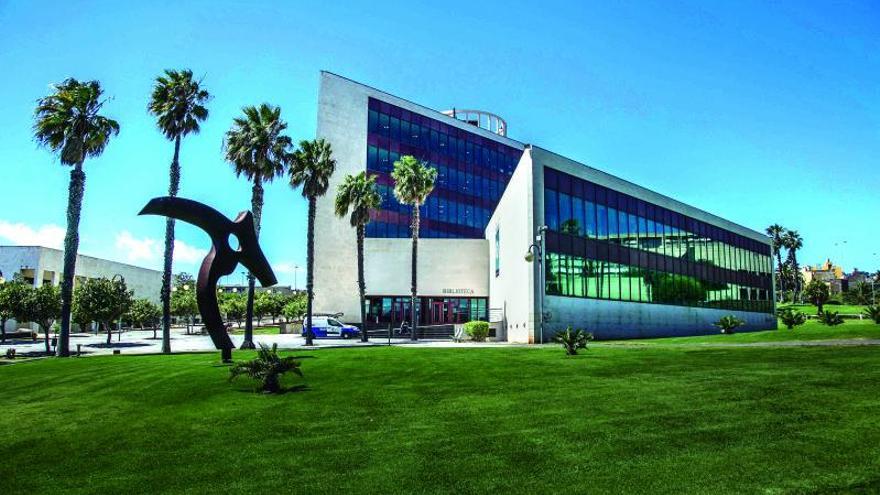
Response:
column 285, row 267
column 149, row 249
column 135, row 249
column 186, row 253
column 49, row 235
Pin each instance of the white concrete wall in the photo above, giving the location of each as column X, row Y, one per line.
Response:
column 514, row 289
column 629, row 320
column 456, row 265
column 48, row 264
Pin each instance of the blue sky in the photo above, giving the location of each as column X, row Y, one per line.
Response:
column 759, row 112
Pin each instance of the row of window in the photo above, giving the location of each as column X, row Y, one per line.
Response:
column 448, row 178
column 433, row 136
column 429, row 311
column 400, row 228
column 436, row 208
column 472, row 172
column 575, row 276
column 581, row 208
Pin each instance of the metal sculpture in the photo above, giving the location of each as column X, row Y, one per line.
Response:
column 221, row 260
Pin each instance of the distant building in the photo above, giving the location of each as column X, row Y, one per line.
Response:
column 280, row 289
column 827, row 272
column 41, row 265
column 857, row 276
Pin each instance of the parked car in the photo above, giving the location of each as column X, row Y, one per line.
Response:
column 328, row 327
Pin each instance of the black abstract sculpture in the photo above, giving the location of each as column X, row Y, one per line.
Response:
column 221, row 260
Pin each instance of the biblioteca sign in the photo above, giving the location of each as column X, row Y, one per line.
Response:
column 458, row 291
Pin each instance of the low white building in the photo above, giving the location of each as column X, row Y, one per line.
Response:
column 41, row 265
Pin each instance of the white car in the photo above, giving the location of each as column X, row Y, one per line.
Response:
column 327, row 327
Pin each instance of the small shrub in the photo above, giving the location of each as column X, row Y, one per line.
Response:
column 267, row 367
column 873, row 313
column 10, row 353
column 572, row 340
column 830, row 318
column 791, row 318
column 729, row 323
column 477, row 330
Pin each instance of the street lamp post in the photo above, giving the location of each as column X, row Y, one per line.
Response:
column 537, row 251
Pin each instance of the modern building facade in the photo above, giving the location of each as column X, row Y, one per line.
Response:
column 621, row 261
column 39, row 265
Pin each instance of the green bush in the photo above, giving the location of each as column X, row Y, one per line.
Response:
column 729, row 323
column 477, row 330
column 791, row 318
column 267, row 368
column 830, row 318
column 572, row 340
column 873, row 312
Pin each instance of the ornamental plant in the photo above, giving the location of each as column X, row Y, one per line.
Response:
column 729, row 323
column 267, row 368
column 477, row 330
column 873, row 312
column 791, row 318
column 830, row 318
column 572, row 340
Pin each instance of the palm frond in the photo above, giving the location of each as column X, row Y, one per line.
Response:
column 68, row 121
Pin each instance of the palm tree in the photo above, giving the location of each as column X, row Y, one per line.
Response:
column 178, row 104
column 257, row 148
column 775, row 233
column 358, row 193
column 312, row 166
column 413, row 182
column 68, row 122
column 793, row 241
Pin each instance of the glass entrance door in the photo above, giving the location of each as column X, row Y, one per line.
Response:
column 441, row 313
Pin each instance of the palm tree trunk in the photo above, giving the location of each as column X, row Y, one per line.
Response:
column 46, row 334
column 71, row 246
column 257, row 210
column 781, row 287
column 362, row 284
column 109, row 333
column 3, row 331
column 310, row 265
column 414, row 270
column 173, row 188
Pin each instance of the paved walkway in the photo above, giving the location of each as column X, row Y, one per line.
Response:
column 142, row 342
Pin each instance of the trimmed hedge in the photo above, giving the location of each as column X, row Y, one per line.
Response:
column 477, row 330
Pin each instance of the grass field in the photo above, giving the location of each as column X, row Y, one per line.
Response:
column 812, row 330
column 844, row 309
column 670, row 419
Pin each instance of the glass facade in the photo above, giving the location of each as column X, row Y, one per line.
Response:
column 431, row 310
column 607, row 245
column 472, row 173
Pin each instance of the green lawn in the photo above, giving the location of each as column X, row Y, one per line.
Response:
column 672, row 419
column 844, row 309
column 811, row 330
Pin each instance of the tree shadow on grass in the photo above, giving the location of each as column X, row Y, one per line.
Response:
column 284, row 390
